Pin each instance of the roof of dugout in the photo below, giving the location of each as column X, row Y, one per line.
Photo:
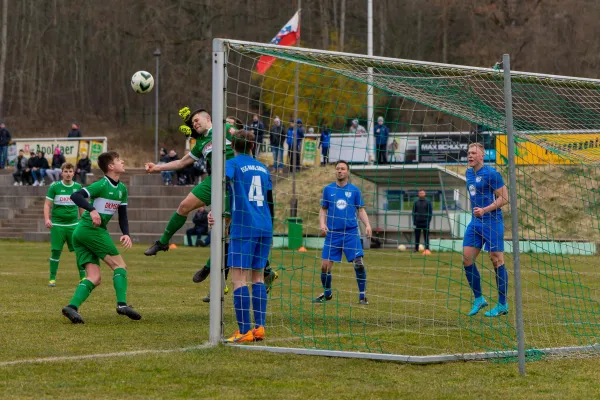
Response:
column 409, row 174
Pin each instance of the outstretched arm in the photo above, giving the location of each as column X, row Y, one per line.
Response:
column 124, row 225
column 170, row 166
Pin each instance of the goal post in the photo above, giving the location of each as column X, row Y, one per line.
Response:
column 418, row 302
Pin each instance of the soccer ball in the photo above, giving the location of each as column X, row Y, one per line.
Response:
column 142, row 82
column 421, row 247
column 401, row 247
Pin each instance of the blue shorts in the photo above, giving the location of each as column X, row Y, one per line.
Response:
column 249, row 253
column 349, row 242
column 487, row 234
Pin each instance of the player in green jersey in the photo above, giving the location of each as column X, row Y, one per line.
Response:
column 61, row 216
column 198, row 125
column 92, row 242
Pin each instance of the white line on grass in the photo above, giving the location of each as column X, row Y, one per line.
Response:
column 103, row 355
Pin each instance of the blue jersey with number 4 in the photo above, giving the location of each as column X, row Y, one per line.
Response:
column 342, row 204
column 248, row 184
column 481, row 186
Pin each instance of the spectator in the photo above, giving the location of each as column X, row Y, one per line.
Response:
column 20, row 167
column 259, row 130
column 381, row 133
column 200, row 228
column 167, row 176
column 74, row 132
column 422, row 213
column 5, row 140
column 277, row 137
column 357, row 129
column 324, row 143
column 298, row 143
column 84, row 167
column 392, row 149
column 30, row 165
column 39, row 169
column 57, row 161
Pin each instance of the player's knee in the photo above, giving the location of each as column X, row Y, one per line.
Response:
column 358, row 265
column 497, row 260
column 467, row 260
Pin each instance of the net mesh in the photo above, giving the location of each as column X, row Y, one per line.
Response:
column 418, row 302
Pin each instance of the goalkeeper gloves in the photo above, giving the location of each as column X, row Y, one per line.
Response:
column 184, row 113
column 186, row 130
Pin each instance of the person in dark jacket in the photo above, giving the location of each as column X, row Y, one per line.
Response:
column 29, row 170
column 55, row 169
column 277, row 138
column 5, row 140
column 324, row 144
column 422, row 213
column 298, row 145
column 83, row 168
column 259, row 131
column 381, row 133
column 74, row 132
column 200, row 228
column 20, row 167
column 40, row 166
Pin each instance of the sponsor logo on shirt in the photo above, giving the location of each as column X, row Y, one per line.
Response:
column 63, row 200
column 341, row 204
column 472, row 190
column 106, row 206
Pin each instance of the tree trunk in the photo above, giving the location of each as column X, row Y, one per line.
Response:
column 3, row 52
column 324, row 25
column 342, row 24
column 382, row 25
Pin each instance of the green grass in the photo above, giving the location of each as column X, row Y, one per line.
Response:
column 417, row 307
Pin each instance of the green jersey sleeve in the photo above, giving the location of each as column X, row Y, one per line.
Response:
column 51, row 193
column 95, row 189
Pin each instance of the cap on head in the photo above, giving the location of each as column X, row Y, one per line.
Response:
column 299, row 121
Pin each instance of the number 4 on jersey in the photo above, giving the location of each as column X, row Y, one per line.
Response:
column 256, row 193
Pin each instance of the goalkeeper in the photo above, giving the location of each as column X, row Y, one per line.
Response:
column 198, row 125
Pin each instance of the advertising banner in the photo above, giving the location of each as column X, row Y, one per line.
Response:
column 68, row 148
column 453, row 148
column 527, row 153
column 309, row 153
column 96, row 148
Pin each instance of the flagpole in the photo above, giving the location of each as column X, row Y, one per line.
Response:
column 370, row 116
column 294, row 200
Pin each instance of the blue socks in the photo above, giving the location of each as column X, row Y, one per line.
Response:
column 241, row 302
column 259, row 303
column 361, row 279
column 502, row 283
column 474, row 279
column 326, row 281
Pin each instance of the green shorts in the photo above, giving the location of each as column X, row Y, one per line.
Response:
column 203, row 192
column 92, row 245
column 59, row 235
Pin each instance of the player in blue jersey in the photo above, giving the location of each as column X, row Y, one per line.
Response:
column 488, row 194
column 341, row 207
column 251, row 235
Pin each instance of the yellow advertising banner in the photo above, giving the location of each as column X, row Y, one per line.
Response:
column 568, row 149
column 70, row 149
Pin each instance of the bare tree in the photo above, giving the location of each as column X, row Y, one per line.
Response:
column 342, row 24
column 3, row 52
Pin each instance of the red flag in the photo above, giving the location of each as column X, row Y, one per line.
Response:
column 287, row 36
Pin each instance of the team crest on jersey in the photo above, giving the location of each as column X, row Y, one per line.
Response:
column 472, row 190
column 341, row 204
column 478, row 179
column 348, row 194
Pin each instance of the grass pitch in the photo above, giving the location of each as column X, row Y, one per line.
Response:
column 42, row 355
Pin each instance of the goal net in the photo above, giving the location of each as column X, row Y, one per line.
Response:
column 419, row 298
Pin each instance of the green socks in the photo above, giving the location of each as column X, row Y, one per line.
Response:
column 83, row 291
column 175, row 223
column 81, row 273
column 120, row 284
column 54, row 259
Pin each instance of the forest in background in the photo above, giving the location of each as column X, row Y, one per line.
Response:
column 66, row 60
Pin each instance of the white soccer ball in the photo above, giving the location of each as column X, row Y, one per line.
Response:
column 142, row 82
column 421, row 247
column 401, row 247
